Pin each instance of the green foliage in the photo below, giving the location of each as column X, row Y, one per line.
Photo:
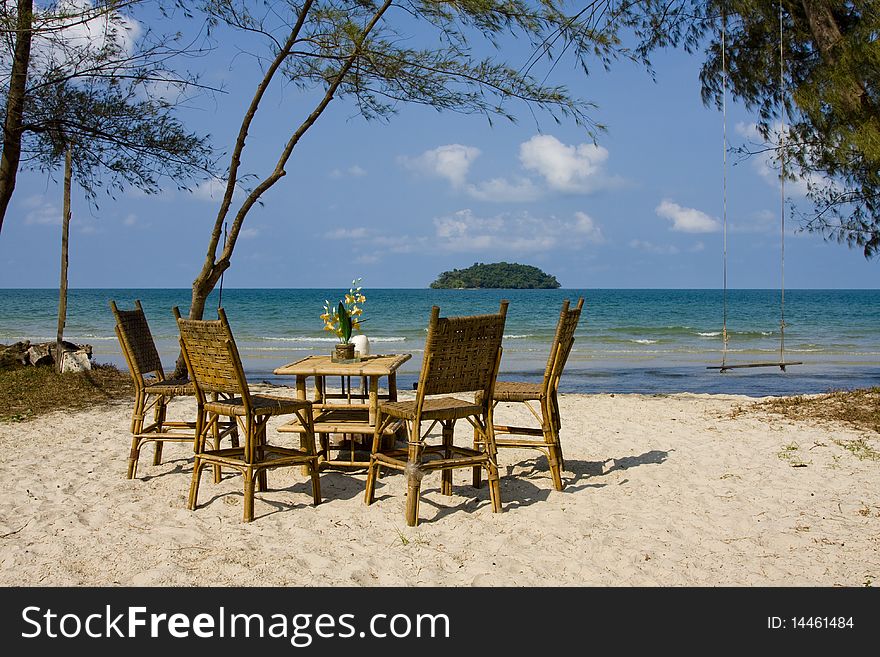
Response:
column 344, row 322
column 496, row 275
column 107, row 97
column 830, row 92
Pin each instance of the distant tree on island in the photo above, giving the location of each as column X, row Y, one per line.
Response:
column 496, row 275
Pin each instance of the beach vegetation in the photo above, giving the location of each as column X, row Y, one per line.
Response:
column 791, row 453
column 29, row 392
column 496, row 275
column 858, row 409
column 860, row 448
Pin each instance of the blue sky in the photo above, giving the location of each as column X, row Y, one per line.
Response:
column 399, row 202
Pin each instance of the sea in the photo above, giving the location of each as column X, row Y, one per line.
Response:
column 649, row 341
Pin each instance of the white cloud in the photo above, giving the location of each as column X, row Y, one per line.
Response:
column 451, row 162
column 355, row 171
column 650, row 247
column 67, row 40
column 210, row 190
column 687, row 220
column 565, row 168
column 561, row 168
column 249, row 233
column 41, row 212
column 500, row 189
column 463, row 231
column 584, row 225
column 346, row 233
column 130, row 220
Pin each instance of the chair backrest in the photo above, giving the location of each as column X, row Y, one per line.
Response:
column 211, row 356
column 562, row 342
column 137, row 342
column 461, row 353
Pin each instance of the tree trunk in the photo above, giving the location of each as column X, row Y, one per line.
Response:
column 827, row 35
column 65, row 233
column 15, row 105
column 202, row 287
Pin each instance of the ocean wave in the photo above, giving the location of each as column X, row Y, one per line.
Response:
column 517, row 337
column 709, row 334
column 644, row 341
column 303, row 338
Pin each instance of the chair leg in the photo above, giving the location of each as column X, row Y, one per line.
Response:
column 413, row 475
column 446, row 475
column 137, row 426
column 215, row 432
column 494, row 486
column 133, row 454
column 249, row 481
column 492, row 465
column 316, row 482
column 159, row 418
column 198, row 464
column 157, row 453
column 370, row 492
column 373, row 469
column 260, row 434
column 554, row 453
column 478, row 470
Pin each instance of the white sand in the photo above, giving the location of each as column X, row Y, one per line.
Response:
column 661, row 491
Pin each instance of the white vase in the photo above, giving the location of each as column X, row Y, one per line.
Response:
column 361, row 345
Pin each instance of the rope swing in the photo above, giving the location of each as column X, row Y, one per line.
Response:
column 781, row 363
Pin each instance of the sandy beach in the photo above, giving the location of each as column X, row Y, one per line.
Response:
column 662, row 490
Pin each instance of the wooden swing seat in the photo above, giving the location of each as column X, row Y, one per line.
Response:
column 724, row 368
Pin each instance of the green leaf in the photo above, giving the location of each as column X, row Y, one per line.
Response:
column 344, row 322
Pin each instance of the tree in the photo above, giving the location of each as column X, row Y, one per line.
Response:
column 382, row 53
column 78, row 73
column 88, row 104
column 827, row 51
column 15, row 94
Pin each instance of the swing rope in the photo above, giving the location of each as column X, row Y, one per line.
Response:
column 782, row 191
column 781, row 148
column 724, row 336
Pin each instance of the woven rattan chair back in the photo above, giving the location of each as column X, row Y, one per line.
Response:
column 461, row 352
column 211, row 355
column 562, row 343
column 137, row 342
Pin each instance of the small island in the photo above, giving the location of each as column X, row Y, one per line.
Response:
column 507, row 275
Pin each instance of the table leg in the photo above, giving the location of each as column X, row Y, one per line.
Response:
column 301, row 394
column 374, row 399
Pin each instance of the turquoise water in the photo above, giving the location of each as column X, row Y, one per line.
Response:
column 647, row 341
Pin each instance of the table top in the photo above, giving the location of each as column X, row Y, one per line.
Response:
column 378, row 365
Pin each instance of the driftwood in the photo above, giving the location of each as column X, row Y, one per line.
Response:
column 74, row 358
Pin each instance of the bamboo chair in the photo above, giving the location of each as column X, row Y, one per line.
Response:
column 545, row 393
column 462, row 355
column 152, row 390
column 214, row 366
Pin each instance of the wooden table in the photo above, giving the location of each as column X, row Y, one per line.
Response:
column 349, row 412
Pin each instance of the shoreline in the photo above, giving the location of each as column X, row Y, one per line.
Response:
column 667, row 490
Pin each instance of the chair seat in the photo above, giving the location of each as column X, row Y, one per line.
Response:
column 261, row 405
column 516, row 391
column 171, row 387
column 440, row 408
